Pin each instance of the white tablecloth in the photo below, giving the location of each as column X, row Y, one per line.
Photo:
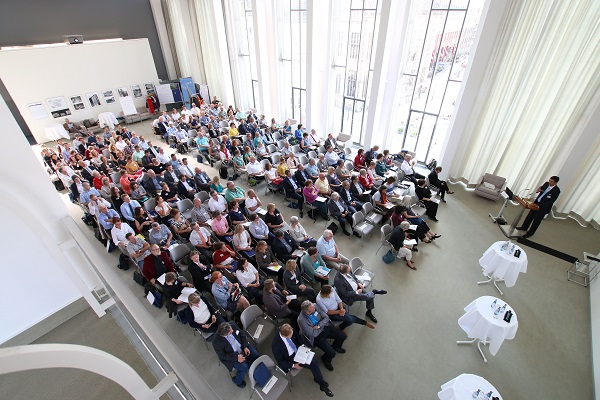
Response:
column 56, row 131
column 108, row 119
column 503, row 265
column 479, row 322
column 463, row 386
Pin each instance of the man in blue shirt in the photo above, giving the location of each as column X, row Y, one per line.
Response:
column 234, row 351
column 298, row 133
column 128, row 207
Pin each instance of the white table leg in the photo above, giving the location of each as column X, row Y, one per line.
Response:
column 493, row 281
column 477, row 343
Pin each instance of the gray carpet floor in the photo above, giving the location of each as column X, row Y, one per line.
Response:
column 413, row 350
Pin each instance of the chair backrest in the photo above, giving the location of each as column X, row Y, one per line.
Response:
column 249, row 315
column 202, row 195
column 303, row 159
column 106, row 153
column 115, row 177
column 356, row 263
column 184, row 205
column 385, row 232
column 179, row 251
column 312, row 154
column 367, row 208
column 280, row 143
column 193, row 133
column 349, row 165
column 272, row 148
column 262, row 359
column 322, row 150
column 277, row 136
column 276, row 158
column 400, row 176
column 357, row 218
column 348, row 151
column 414, row 199
column 296, row 149
column 150, row 204
column 264, row 163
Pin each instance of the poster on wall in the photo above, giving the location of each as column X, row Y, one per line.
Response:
column 77, row 102
column 123, row 92
column 128, row 106
column 165, row 95
column 37, row 110
column 93, row 98
column 137, row 91
column 58, row 106
column 109, row 96
column 150, row 91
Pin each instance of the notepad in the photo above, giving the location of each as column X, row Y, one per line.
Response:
column 323, row 270
column 436, row 201
column 161, row 279
column 321, row 199
column 304, row 355
column 297, row 253
column 185, row 293
column 389, row 205
column 410, row 242
column 150, row 298
column 261, row 211
column 364, row 277
column 291, row 297
column 413, row 227
column 274, row 268
column 259, row 329
column 269, row 385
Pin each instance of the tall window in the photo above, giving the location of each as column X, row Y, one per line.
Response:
column 291, row 15
column 357, row 22
column 247, row 55
column 438, row 53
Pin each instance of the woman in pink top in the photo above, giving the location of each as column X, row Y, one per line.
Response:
column 310, row 195
column 220, row 227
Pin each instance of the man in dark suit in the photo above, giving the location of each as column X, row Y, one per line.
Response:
column 152, row 183
column 285, row 345
column 293, row 190
column 186, row 187
column 201, row 179
column 338, row 210
column 348, row 198
column 161, row 127
column 284, row 245
column 435, row 180
column 300, row 175
column 358, row 191
column 86, row 171
column 547, row 195
column 171, row 176
column 350, row 290
column 234, row 351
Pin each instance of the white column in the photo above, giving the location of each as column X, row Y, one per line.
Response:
column 192, row 42
column 318, row 64
column 388, row 67
column 490, row 24
column 163, row 37
column 265, row 49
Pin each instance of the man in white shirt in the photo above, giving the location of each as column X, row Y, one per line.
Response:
column 119, row 232
column 95, row 202
column 331, row 157
column 128, row 207
column 186, row 169
column 407, row 168
column 162, row 157
column 329, row 251
column 137, row 248
column 255, row 169
column 217, row 202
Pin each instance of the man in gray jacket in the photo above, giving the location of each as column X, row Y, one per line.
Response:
column 317, row 327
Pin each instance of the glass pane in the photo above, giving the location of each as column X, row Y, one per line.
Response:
column 416, row 39
column 357, row 3
column 296, row 64
column 303, row 107
column 425, row 137
column 347, row 116
column 466, row 40
column 440, row 3
column 295, row 4
column 444, row 61
column 302, row 58
column 286, row 88
column 338, row 101
column 359, row 108
column 460, row 4
column 410, row 141
column 370, row 4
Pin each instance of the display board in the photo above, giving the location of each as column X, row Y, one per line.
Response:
column 165, row 95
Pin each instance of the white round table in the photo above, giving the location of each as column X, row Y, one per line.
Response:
column 501, row 265
column 479, row 324
column 56, row 131
column 463, row 386
column 108, row 119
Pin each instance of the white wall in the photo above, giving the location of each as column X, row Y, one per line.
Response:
column 37, row 280
column 36, row 74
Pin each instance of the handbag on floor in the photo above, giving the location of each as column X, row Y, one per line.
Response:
column 388, row 257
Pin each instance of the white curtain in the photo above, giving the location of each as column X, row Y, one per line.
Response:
column 540, row 82
column 211, row 27
column 178, row 35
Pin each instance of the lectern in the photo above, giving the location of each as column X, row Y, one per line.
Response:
column 509, row 230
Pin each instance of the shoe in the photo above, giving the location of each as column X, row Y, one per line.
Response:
column 427, row 241
column 346, row 233
column 434, row 219
column 450, row 192
column 443, row 201
column 356, row 234
column 414, row 249
column 380, row 291
column 327, row 364
column 323, row 383
column 371, row 316
column 369, row 325
column 301, row 214
column 436, row 236
column 241, row 385
column 411, row 266
column 326, row 390
column 520, row 228
column 339, row 350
